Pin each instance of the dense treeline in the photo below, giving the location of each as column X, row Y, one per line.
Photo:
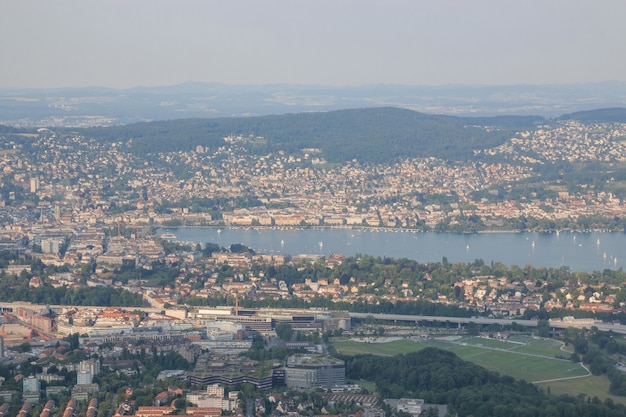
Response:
column 439, row 376
column 369, row 135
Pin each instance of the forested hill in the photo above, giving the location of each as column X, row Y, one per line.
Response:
column 610, row 115
column 369, row 135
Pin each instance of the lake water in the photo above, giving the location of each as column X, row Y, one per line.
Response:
column 577, row 250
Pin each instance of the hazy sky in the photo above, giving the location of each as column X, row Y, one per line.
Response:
column 125, row 43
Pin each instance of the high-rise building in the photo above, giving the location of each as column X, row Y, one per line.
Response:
column 84, row 378
column 34, row 185
column 50, row 245
column 90, row 365
column 86, row 371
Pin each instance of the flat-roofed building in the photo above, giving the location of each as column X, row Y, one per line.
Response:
column 310, row 371
column 412, row 406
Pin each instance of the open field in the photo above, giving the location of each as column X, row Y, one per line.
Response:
column 350, row 347
column 523, row 357
column 519, row 365
column 540, row 346
column 593, row 386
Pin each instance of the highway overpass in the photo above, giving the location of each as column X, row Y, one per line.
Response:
column 560, row 324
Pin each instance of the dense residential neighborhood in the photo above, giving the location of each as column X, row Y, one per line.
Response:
column 76, row 180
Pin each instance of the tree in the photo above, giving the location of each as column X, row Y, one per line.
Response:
column 180, row 403
column 284, row 331
column 543, row 328
column 73, row 341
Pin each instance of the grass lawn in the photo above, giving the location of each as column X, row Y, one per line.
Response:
column 351, row 347
column 489, row 343
column 537, row 345
column 593, row 386
column 521, row 366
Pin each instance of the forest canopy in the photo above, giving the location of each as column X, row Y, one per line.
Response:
column 373, row 135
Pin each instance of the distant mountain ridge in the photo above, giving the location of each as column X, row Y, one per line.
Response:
column 98, row 106
column 609, row 115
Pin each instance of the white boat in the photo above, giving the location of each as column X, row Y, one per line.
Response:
column 168, row 236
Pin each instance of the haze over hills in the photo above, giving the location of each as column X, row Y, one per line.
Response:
column 83, row 107
column 371, row 135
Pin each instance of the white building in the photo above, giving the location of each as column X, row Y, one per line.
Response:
column 86, row 371
column 34, row 185
column 412, row 406
column 84, row 378
column 222, row 330
column 31, row 384
column 215, row 390
column 213, row 398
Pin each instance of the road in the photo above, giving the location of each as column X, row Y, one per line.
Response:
column 617, row 328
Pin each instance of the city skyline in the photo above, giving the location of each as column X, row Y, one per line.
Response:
column 125, row 44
